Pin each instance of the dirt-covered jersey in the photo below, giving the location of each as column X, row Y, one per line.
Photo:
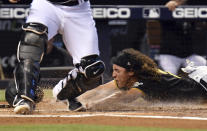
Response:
column 172, row 87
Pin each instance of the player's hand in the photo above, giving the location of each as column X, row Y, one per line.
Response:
column 14, row 1
column 171, row 5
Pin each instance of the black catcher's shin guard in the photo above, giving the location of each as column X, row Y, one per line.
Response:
column 17, row 89
column 30, row 52
column 26, row 78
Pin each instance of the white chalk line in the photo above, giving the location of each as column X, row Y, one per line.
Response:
column 106, row 115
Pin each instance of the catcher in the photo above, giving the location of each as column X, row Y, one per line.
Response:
column 73, row 20
column 135, row 75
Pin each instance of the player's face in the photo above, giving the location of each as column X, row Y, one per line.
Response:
column 120, row 75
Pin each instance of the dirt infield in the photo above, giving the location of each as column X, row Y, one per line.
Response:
column 170, row 115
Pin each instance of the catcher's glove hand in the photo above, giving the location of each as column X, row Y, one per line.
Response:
column 14, row 1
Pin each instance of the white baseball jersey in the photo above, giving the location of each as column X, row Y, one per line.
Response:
column 75, row 23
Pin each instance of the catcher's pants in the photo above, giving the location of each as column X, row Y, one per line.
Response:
column 75, row 23
column 172, row 64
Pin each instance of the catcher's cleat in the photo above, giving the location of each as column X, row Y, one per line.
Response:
column 24, row 107
column 75, row 105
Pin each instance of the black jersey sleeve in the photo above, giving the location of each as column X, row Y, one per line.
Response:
column 171, row 88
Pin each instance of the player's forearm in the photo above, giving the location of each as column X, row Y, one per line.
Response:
column 122, row 96
column 13, row 1
column 172, row 4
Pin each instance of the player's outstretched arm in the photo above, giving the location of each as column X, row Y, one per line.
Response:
column 99, row 93
column 108, row 94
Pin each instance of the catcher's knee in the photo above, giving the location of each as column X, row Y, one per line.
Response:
column 86, row 76
column 91, row 66
column 72, row 88
column 33, row 42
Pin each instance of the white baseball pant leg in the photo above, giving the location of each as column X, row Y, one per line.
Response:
column 170, row 63
column 197, row 60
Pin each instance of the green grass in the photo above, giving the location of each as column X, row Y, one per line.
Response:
column 47, row 94
column 76, row 127
column 2, row 95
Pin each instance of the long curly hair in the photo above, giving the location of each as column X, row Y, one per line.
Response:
column 133, row 60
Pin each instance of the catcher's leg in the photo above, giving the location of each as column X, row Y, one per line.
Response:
column 26, row 74
column 86, row 76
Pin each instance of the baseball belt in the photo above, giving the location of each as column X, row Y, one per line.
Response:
column 69, row 2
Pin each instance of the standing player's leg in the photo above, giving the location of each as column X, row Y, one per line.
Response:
column 170, row 63
column 80, row 38
column 26, row 74
column 86, row 76
column 42, row 24
column 197, row 60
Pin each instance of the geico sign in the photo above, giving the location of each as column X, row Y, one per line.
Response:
column 18, row 13
column 111, row 13
column 8, row 61
column 190, row 13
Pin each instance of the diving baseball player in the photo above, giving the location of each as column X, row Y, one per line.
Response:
column 73, row 19
column 136, row 75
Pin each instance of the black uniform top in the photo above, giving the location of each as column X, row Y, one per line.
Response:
column 196, row 2
column 184, row 38
column 129, row 2
column 171, row 87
